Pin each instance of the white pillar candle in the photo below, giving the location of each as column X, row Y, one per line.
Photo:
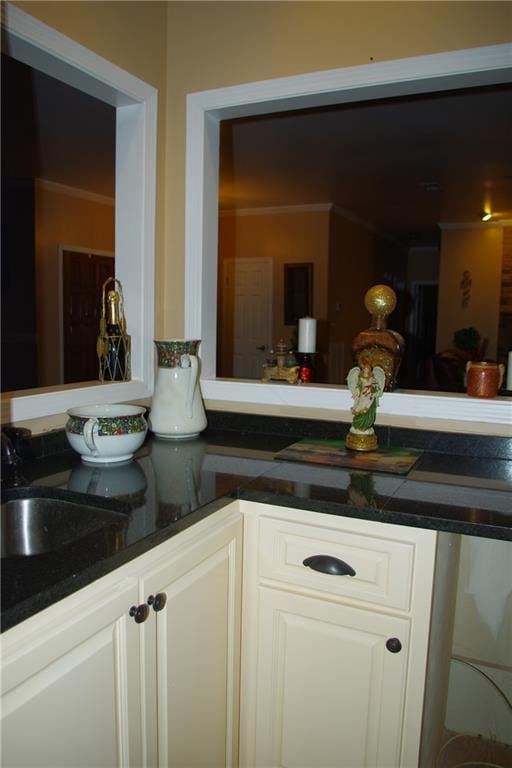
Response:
column 307, row 334
column 509, row 371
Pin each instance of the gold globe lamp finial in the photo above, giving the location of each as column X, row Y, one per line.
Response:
column 380, row 301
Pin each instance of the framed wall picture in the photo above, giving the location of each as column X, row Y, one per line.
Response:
column 298, row 292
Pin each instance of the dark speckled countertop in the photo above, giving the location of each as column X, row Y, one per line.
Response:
column 460, row 484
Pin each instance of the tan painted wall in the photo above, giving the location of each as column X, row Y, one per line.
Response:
column 350, row 244
column 480, row 251
column 61, row 219
column 285, row 238
column 181, row 47
column 132, row 35
column 213, row 44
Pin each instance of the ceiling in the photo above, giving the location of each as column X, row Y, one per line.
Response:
column 402, row 165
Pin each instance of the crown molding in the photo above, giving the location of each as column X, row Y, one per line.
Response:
column 308, row 208
column 278, row 209
column 84, row 194
column 475, row 224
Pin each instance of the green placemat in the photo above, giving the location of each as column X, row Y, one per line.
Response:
column 333, row 452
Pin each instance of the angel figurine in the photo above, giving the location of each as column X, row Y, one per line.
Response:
column 366, row 385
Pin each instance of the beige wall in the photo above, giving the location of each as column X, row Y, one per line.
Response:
column 350, row 244
column 61, row 219
column 480, row 252
column 132, row 35
column 214, row 44
column 181, row 47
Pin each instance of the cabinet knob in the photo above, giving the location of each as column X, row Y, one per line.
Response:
column 158, row 601
column 139, row 612
column 329, row 564
column 394, row 645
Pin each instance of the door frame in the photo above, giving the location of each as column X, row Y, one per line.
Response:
column 415, row 286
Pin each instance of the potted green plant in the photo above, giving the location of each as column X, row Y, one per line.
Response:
column 468, row 343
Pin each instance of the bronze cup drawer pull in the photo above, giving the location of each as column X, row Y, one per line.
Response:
column 333, row 566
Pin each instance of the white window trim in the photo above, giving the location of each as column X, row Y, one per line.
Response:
column 42, row 47
column 205, row 110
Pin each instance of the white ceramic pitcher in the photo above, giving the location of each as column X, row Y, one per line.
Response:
column 177, row 410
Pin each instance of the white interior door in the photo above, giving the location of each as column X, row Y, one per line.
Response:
column 251, row 283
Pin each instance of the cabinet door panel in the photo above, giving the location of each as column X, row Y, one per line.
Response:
column 327, row 664
column 80, row 710
column 198, row 639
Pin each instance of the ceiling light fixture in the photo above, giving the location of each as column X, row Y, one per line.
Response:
column 486, row 216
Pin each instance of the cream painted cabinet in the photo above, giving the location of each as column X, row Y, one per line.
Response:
column 86, row 686
column 71, row 683
column 328, row 693
column 334, row 666
column 194, row 642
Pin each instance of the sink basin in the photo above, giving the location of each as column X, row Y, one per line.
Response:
column 35, row 521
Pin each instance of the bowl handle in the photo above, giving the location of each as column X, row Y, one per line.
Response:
column 89, row 427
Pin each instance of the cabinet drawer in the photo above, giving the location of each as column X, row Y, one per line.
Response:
column 383, row 567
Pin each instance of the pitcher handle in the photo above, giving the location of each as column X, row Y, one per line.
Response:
column 185, row 362
column 501, row 373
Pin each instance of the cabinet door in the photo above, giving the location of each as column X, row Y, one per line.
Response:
column 197, row 640
column 328, row 692
column 70, row 685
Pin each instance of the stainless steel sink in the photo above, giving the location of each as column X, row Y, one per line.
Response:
column 37, row 521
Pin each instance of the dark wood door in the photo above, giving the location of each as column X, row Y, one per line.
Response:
column 83, row 277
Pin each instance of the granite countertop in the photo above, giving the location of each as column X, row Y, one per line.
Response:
column 170, row 485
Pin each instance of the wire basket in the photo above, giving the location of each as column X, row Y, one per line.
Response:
column 114, row 344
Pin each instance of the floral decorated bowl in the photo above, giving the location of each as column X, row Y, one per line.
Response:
column 104, row 434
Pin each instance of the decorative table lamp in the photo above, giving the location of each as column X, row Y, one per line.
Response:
column 378, row 345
